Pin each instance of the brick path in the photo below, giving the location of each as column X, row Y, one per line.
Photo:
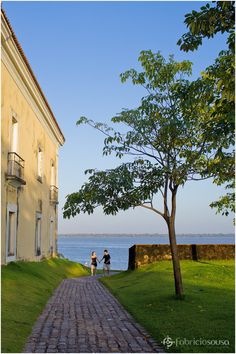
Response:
column 83, row 317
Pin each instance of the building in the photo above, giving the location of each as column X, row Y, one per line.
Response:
column 30, row 140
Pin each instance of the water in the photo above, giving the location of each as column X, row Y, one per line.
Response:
column 78, row 248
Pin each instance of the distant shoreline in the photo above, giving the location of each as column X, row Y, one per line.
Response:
column 144, row 234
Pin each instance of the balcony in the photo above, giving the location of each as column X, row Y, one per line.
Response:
column 15, row 173
column 53, row 196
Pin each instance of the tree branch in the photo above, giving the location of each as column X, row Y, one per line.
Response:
column 153, row 209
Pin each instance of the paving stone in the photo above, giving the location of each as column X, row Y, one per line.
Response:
column 83, row 317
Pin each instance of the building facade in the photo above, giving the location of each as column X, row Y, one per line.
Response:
column 30, row 140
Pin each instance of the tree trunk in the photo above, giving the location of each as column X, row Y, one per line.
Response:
column 170, row 219
column 175, row 259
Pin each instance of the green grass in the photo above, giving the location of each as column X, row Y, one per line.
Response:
column 26, row 288
column 207, row 311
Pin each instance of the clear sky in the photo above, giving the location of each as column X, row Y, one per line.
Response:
column 77, row 51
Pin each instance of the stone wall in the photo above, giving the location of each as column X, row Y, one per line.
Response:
column 140, row 255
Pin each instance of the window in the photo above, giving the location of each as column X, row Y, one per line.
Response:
column 14, row 135
column 53, row 180
column 38, row 231
column 40, row 164
column 51, row 236
column 11, row 232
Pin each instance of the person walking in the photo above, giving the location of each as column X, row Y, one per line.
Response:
column 107, row 262
column 94, row 263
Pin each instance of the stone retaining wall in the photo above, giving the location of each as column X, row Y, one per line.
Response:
column 140, row 255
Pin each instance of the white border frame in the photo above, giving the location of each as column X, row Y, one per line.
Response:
column 11, row 208
column 38, row 216
column 51, row 234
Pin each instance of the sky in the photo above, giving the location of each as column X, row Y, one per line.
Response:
column 77, row 51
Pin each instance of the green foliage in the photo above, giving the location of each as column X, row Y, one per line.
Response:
column 26, row 288
column 115, row 189
column 166, row 135
column 226, row 203
column 217, row 17
column 206, row 312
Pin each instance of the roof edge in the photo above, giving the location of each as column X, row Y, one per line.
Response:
column 30, row 70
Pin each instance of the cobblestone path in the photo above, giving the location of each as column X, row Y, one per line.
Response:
column 83, row 317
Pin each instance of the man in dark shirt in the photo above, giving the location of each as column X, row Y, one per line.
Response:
column 107, row 262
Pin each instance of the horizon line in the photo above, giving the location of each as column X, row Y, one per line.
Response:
column 138, row 234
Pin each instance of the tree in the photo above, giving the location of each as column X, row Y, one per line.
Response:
column 167, row 141
column 218, row 17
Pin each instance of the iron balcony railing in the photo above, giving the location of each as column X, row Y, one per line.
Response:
column 15, row 166
column 53, row 194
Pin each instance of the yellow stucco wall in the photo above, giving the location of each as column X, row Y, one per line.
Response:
column 33, row 132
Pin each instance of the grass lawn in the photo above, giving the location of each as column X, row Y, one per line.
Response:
column 206, row 313
column 26, row 288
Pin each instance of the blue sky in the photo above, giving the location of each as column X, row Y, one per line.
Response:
column 77, row 51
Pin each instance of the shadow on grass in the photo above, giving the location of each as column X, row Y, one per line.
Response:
column 207, row 311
